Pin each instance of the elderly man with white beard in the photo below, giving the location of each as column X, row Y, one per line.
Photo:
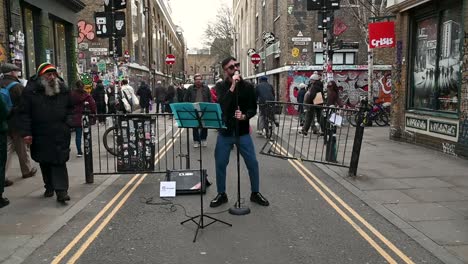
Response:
column 44, row 123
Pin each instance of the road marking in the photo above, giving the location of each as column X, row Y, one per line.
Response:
column 303, row 171
column 73, row 243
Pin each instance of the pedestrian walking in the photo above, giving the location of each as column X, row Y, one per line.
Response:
column 44, row 123
column 111, row 102
column 99, row 95
column 79, row 97
column 3, row 150
column 15, row 143
column 264, row 92
column 159, row 97
column 145, row 95
column 129, row 93
column 238, row 104
column 198, row 92
column 170, row 95
column 180, row 93
column 300, row 100
column 314, row 96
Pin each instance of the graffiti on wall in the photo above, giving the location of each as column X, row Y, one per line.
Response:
column 3, row 54
column 448, row 148
column 85, row 31
column 352, row 85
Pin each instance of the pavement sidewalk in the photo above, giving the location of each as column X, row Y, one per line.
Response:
column 422, row 191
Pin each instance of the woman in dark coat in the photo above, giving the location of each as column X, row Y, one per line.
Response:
column 145, row 95
column 44, row 123
column 79, row 98
column 333, row 97
column 170, row 95
column 99, row 95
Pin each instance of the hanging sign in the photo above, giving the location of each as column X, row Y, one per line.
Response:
column 382, row 35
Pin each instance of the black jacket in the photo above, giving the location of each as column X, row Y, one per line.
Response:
column 229, row 101
column 300, row 95
column 191, row 94
column 264, row 92
column 144, row 93
column 47, row 119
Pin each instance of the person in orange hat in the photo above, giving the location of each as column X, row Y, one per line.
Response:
column 45, row 119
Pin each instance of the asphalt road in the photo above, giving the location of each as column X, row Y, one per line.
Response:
column 311, row 219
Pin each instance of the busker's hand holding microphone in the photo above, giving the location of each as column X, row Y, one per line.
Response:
column 235, row 79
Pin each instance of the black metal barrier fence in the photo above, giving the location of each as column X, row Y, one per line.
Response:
column 133, row 143
column 318, row 133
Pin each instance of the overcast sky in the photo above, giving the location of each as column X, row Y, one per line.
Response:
column 193, row 16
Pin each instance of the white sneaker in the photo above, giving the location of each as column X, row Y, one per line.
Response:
column 79, row 155
column 204, row 143
column 196, row 145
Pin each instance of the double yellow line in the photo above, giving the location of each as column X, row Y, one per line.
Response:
column 106, row 220
column 336, row 202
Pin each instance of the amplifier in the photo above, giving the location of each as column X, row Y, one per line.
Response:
column 187, row 181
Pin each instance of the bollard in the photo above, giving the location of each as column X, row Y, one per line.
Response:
column 88, row 144
column 358, row 139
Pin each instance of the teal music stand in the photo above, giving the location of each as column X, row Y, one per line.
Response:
column 199, row 115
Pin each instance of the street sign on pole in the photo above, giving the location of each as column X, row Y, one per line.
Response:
column 170, row 59
column 103, row 23
column 119, row 24
column 255, row 58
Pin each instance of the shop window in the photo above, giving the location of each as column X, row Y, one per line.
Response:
column 349, row 58
column 30, row 57
column 435, row 66
column 60, row 50
column 338, row 58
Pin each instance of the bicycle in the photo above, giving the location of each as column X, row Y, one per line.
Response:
column 376, row 113
column 269, row 120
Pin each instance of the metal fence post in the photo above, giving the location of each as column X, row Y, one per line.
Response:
column 358, row 139
column 88, row 144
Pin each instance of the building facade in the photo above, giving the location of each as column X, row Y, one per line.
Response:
column 150, row 36
column 430, row 90
column 33, row 32
column 297, row 50
column 203, row 63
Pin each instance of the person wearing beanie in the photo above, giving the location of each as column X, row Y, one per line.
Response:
column 15, row 143
column 45, row 118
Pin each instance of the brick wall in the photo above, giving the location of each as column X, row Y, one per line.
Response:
column 3, row 34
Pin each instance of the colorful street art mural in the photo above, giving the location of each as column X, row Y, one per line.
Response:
column 352, row 85
column 85, row 30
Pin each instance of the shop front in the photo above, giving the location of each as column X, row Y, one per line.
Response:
column 432, row 107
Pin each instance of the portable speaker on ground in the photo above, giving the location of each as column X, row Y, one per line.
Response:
column 187, row 181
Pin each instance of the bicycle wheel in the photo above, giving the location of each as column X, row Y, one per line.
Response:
column 113, row 148
column 268, row 130
column 353, row 119
column 381, row 119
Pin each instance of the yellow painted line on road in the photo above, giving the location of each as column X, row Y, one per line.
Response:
column 303, row 171
column 85, row 230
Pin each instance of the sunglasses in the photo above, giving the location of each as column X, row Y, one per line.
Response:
column 233, row 66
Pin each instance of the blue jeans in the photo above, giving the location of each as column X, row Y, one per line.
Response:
column 78, row 136
column 247, row 150
column 197, row 136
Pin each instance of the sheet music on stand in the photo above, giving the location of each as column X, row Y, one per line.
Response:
column 210, row 115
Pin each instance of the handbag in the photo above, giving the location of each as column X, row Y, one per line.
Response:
column 318, row 99
column 125, row 102
column 135, row 99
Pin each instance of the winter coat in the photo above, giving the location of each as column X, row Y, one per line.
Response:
column 191, row 94
column 78, row 101
column 160, row 93
column 99, row 95
column 47, row 119
column 145, row 95
column 180, row 94
column 301, row 95
column 15, row 95
column 264, row 92
column 170, row 94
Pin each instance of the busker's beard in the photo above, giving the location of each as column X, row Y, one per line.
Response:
column 52, row 86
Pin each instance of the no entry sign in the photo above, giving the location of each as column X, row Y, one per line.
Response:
column 255, row 59
column 170, row 59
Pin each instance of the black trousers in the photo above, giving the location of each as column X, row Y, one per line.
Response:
column 55, row 176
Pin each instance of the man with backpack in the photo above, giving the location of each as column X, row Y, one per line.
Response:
column 11, row 90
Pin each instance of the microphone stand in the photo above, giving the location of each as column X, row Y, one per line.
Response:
column 237, row 209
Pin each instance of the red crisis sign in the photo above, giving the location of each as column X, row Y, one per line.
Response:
column 382, row 35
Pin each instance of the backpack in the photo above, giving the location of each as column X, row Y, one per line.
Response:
column 5, row 95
